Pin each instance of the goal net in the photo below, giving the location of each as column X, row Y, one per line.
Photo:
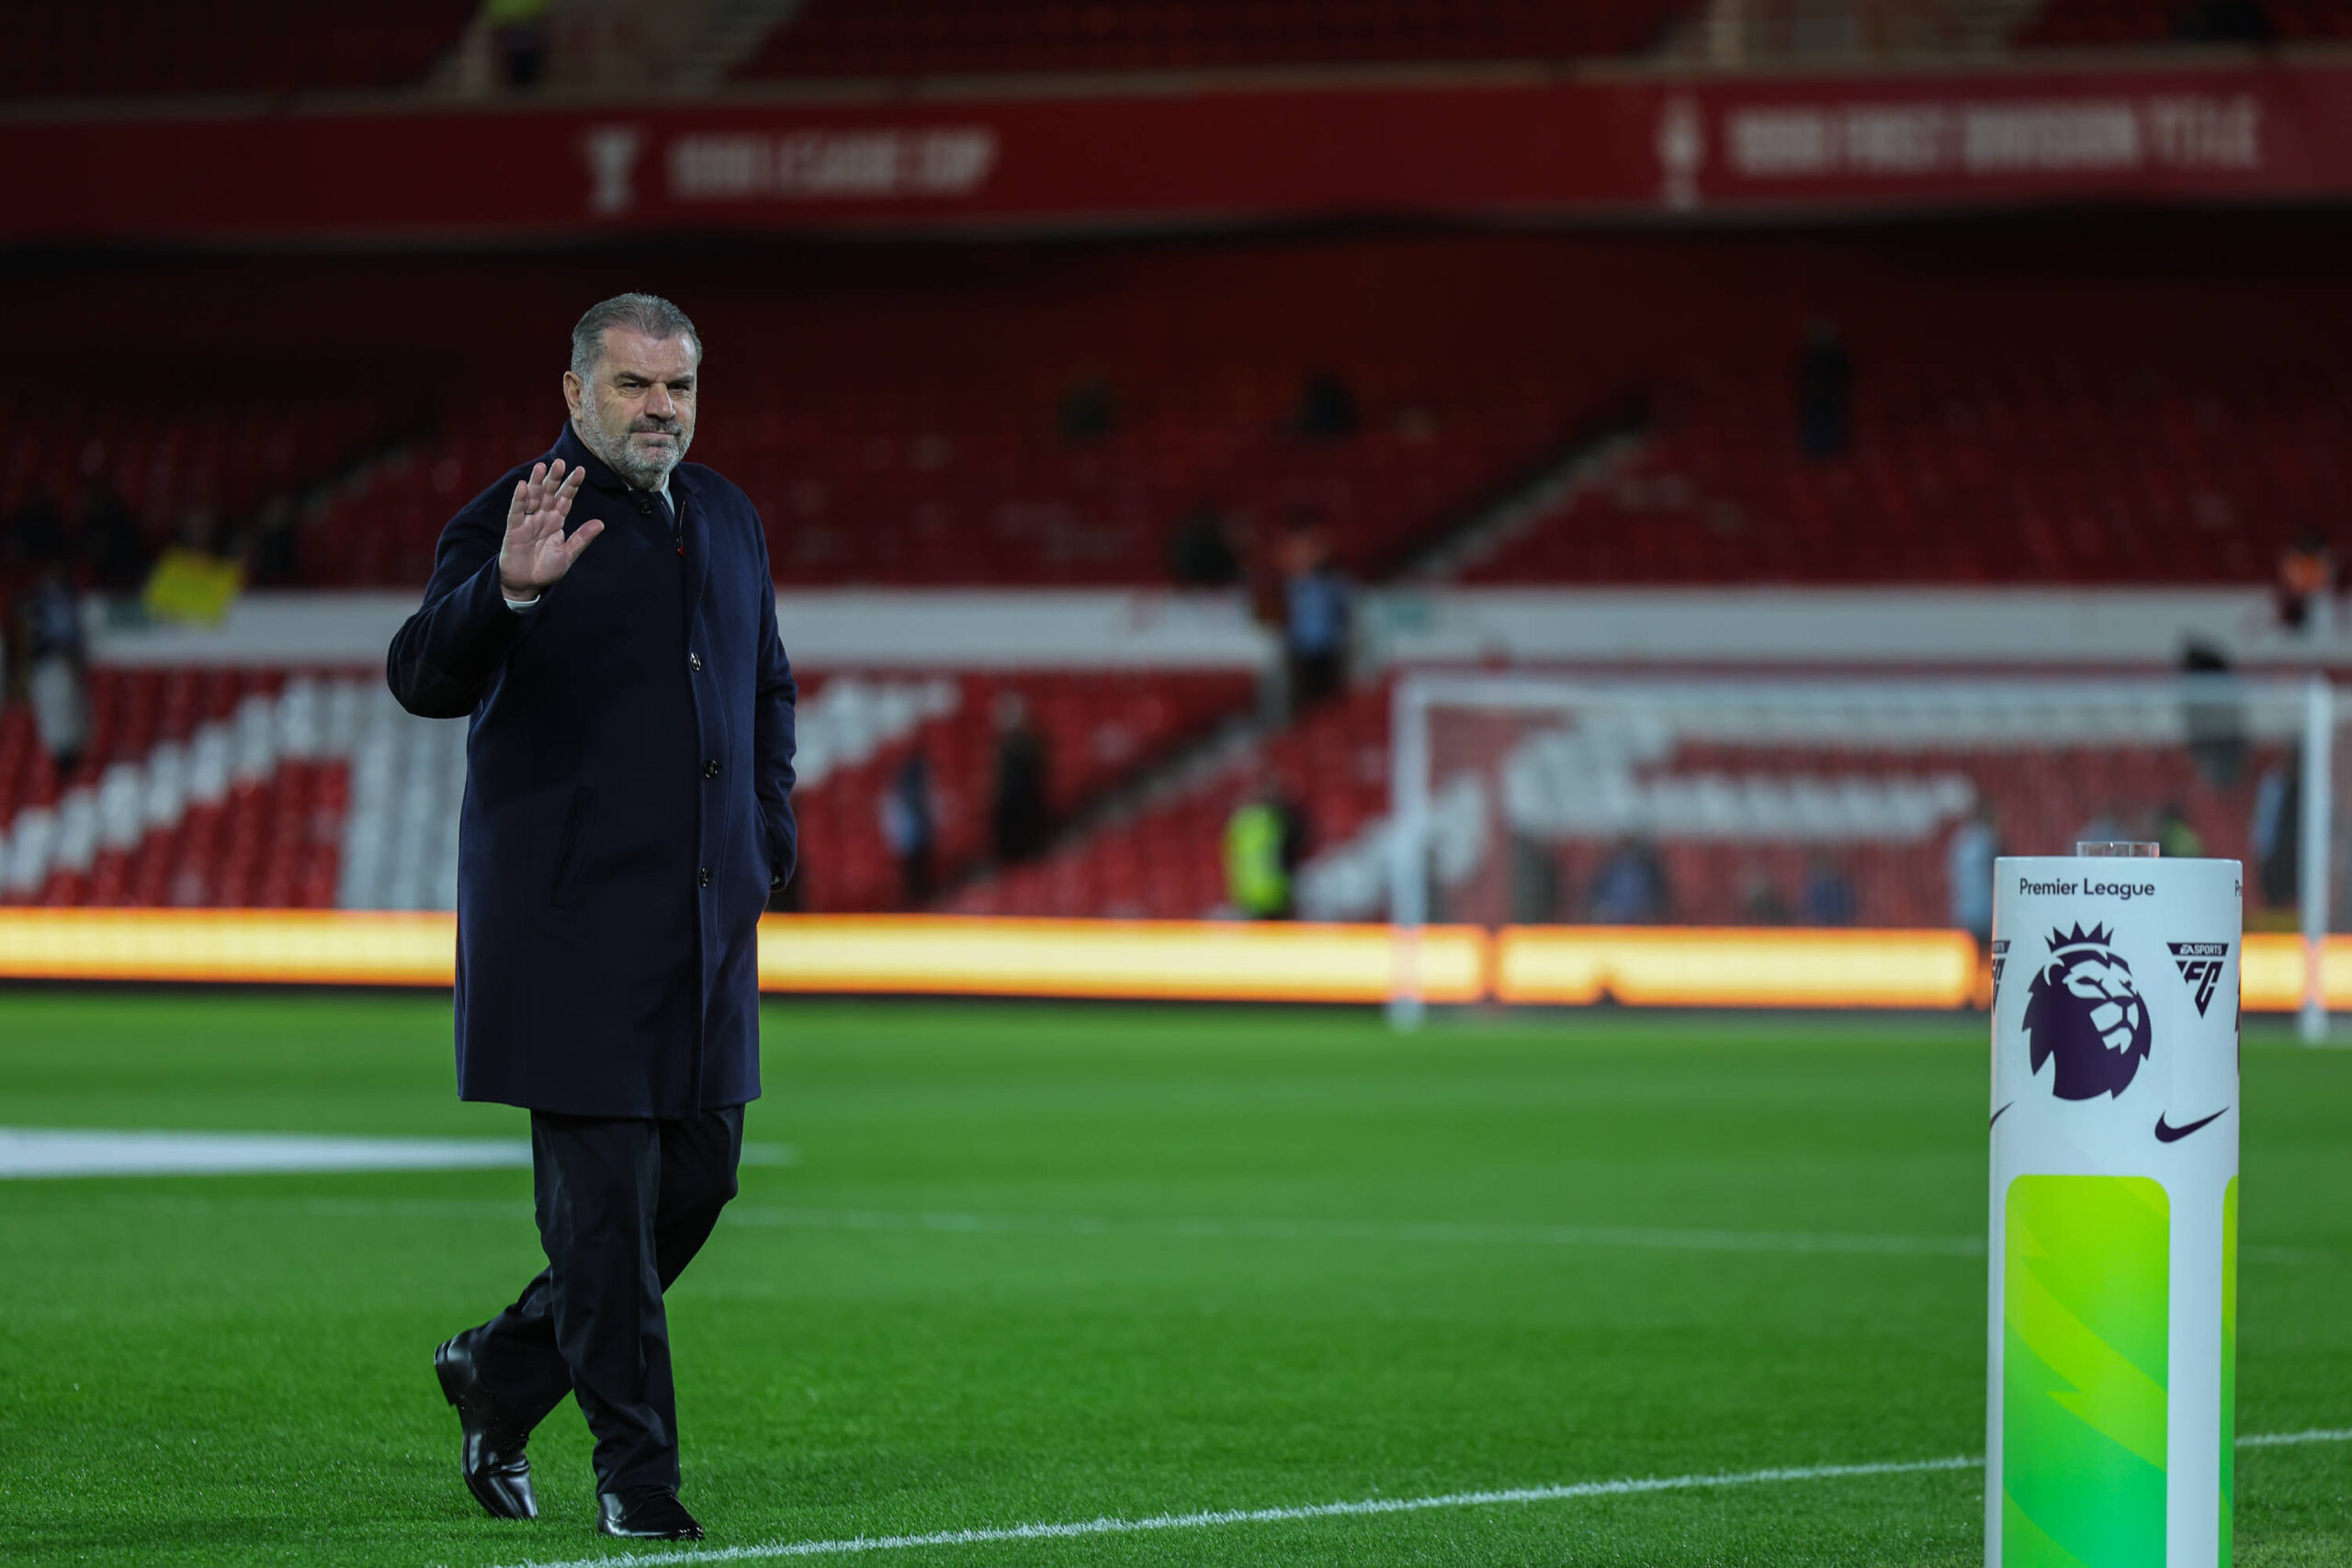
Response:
column 1743, row 806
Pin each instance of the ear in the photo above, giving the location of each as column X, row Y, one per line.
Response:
column 574, row 391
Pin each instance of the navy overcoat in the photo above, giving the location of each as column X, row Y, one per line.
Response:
column 627, row 804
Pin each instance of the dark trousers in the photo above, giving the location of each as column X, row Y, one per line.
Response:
column 624, row 1205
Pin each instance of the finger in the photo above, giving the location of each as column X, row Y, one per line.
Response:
column 526, row 497
column 582, row 538
column 520, row 507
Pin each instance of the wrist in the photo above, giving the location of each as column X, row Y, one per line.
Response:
column 516, row 594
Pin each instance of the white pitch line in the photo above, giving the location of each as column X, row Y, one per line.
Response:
column 768, row 1550
column 2289, row 1440
column 1266, row 1516
column 55, row 1152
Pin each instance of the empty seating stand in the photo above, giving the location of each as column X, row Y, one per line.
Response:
column 968, row 493
column 166, row 48
column 312, row 788
column 211, row 473
column 199, row 787
column 1166, row 860
column 2029, row 474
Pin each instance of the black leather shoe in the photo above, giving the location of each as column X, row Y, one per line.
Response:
column 491, row 1454
column 646, row 1513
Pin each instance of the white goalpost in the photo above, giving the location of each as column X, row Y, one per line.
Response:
column 1521, row 798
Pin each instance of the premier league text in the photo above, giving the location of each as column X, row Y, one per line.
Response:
column 2127, row 891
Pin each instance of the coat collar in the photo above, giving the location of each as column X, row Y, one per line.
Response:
column 693, row 539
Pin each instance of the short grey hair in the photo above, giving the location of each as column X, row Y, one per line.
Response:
column 647, row 313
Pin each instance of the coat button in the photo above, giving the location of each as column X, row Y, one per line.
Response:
column 694, row 660
column 710, row 769
column 702, row 877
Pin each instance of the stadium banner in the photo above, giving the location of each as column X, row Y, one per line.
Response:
column 1136, row 960
column 2111, row 1318
column 1487, row 146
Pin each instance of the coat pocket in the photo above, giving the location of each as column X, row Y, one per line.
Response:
column 571, row 850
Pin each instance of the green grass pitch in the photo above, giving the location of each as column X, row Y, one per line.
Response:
column 1039, row 1264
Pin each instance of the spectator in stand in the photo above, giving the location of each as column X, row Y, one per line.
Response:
column 2224, row 21
column 2178, row 838
column 2276, row 834
column 1968, row 869
column 1265, row 843
column 2213, row 716
column 2306, row 577
column 276, row 562
column 1200, row 555
column 1536, row 885
column 36, row 534
column 56, row 667
column 1326, row 408
column 1828, row 897
column 1825, row 393
column 518, row 33
column 1630, row 887
column 909, row 825
column 1089, row 412
column 1760, row 903
column 1315, row 617
column 111, row 544
column 2105, row 827
column 1018, row 813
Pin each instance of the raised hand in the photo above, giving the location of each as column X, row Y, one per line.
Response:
column 536, row 551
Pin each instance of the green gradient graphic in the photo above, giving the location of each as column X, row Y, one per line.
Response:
column 2228, row 1359
column 2085, row 1315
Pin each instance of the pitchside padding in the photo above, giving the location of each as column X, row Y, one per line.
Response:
column 2114, row 1201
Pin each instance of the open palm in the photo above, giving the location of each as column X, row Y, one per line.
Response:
column 537, row 552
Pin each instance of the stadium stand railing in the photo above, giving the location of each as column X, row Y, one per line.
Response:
column 940, row 38
column 2108, row 24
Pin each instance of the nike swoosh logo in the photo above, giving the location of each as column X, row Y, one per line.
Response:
column 1999, row 1114
column 2174, row 1135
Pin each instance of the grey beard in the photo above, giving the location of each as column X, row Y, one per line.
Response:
column 635, row 469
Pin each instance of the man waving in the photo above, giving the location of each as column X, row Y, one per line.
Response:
column 606, row 618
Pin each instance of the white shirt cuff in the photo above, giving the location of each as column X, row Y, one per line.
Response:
column 521, row 606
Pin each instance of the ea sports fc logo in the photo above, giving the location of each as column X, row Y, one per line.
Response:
column 2085, row 1011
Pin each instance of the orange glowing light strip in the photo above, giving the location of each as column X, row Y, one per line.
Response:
column 909, row 954
column 1141, row 960
column 1175, row 960
column 1671, row 966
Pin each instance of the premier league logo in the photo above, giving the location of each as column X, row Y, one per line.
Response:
column 2085, row 1011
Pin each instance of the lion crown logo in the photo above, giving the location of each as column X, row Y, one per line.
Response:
column 2085, row 1010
